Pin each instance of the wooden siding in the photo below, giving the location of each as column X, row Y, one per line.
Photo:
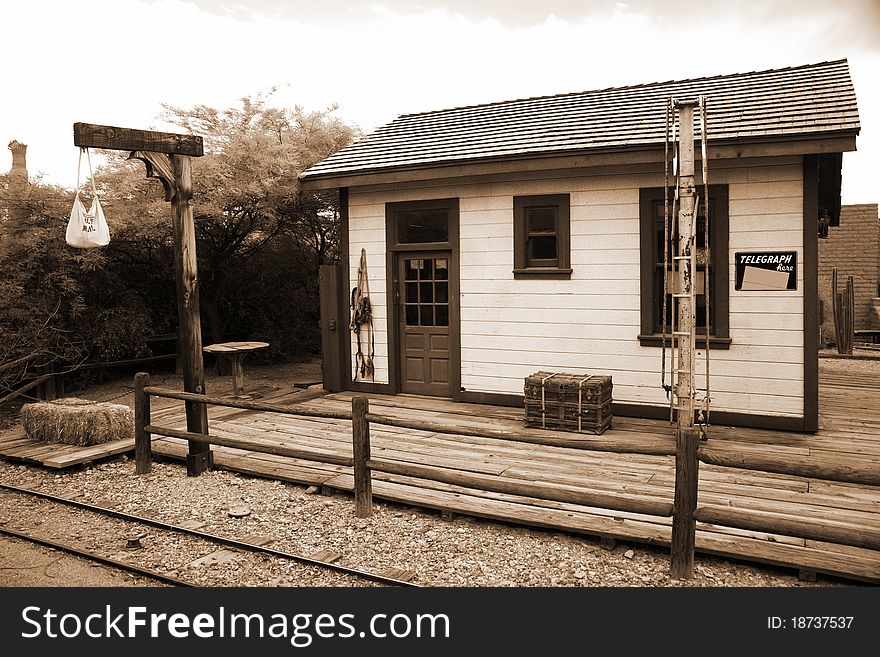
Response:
column 511, row 328
column 367, row 231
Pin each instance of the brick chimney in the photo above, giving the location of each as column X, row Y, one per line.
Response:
column 18, row 171
column 17, row 188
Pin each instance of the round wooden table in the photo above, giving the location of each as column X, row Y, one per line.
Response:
column 234, row 353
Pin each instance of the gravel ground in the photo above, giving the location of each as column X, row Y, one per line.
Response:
column 461, row 552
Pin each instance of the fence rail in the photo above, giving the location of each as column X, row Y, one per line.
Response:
column 244, row 404
column 591, row 443
column 42, row 378
column 48, row 377
column 861, row 472
column 144, row 429
column 24, row 360
column 683, row 510
column 364, row 465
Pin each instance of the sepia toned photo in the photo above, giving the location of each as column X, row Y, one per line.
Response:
column 550, row 298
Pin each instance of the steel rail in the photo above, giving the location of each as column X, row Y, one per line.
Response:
column 92, row 556
column 250, row 547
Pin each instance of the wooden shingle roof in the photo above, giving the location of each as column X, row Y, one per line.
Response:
column 803, row 101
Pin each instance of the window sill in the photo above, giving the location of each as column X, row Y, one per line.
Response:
column 714, row 342
column 543, row 272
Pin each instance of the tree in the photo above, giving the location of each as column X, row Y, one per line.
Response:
column 260, row 241
column 56, row 302
column 247, row 199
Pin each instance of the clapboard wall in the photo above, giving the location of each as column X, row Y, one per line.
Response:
column 589, row 324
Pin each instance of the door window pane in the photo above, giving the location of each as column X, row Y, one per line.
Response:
column 426, row 315
column 412, row 315
column 426, row 293
column 442, row 314
column 441, row 292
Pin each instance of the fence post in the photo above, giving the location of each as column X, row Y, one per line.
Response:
column 40, row 391
column 142, row 440
column 49, row 385
column 360, row 431
column 58, row 378
column 683, row 524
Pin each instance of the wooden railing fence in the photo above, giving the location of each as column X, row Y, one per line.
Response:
column 25, row 374
column 683, row 509
column 42, row 376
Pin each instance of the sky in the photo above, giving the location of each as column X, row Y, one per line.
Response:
column 115, row 62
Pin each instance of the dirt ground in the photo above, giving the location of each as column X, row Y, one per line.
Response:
column 25, row 564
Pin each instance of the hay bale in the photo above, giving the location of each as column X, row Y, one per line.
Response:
column 77, row 421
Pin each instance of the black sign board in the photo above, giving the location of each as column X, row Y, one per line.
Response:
column 766, row 270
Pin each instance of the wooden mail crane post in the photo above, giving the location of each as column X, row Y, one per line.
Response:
column 168, row 157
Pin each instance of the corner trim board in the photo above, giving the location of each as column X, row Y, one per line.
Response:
column 811, row 294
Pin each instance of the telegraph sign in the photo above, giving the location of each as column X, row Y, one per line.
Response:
column 766, row 270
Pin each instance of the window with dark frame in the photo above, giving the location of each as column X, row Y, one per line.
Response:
column 652, row 229
column 541, row 235
column 422, row 226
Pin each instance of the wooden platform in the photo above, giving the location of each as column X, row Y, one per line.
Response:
column 849, row 426
column 16, row 446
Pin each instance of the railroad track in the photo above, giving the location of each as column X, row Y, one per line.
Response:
column 197, row 542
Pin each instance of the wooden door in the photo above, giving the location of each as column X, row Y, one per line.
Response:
column 424, row 320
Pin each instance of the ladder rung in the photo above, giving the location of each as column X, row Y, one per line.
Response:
column 682, row 295
column 681, row 333
column 684, row 257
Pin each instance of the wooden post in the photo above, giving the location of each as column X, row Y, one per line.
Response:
column 835, row 308
column 850, row 314
column 168, row 157
column 143, row 451
column 58, row 379
column 40, row 391
column 186, row 269
column 686, row 272
column 360, row 431
column 49, row 386
column 237, row 374
column 683, row 524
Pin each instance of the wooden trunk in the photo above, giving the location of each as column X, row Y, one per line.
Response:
column 570, row 402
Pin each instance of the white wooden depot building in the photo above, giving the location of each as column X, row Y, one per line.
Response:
column 518, row 236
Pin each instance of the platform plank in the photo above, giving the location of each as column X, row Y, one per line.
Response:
column 849, row 434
